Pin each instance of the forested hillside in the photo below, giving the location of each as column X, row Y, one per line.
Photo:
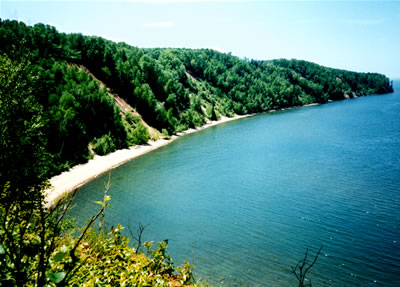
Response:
column 64, row 97
column 72, row 81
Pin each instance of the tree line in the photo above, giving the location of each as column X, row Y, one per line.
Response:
column 57, row 108
column 172, row 89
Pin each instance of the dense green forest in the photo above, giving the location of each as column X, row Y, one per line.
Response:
column 65, row 97
column 77, row 78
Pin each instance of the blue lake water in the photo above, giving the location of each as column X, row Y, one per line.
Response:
column 243, row 200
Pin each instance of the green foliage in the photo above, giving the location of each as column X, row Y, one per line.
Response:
column 104, row 145
column 211, row 114
column 53, row 105
column 139, row 135
column 172, row 89
column 109, row 260
column 83, row 111
column 28, row 231
column 23, row 156
column 132, row 119
column 165, row 133
column 137, row 132
column 162, row 262
column 50, row 109
column 197, row 118
column 36, row 250
column 306, row 99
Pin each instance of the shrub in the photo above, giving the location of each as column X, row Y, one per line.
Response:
column 131, row 118
column 198, row 119
column 104, row 145
column 306, row 99
column 139, row 135
column 37, row 250
column 110, row 261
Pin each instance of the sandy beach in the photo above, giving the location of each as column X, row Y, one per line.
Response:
column 81, row 174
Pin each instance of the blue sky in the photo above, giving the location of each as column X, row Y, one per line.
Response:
column 356, row 35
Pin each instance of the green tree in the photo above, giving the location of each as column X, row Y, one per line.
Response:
column 28, row 231
column 104, row 144
column 23, row 158
column 139, row 135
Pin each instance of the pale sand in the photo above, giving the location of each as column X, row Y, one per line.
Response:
column 81, row 174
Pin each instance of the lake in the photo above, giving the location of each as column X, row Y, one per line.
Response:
column 242, row 201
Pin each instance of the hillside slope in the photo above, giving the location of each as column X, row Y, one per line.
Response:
column 97, row 95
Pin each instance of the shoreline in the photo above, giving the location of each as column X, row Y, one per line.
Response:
column 79, row 175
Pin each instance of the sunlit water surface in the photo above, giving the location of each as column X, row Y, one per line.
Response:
column 242, row 201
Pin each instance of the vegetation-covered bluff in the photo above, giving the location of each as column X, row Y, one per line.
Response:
column 64, row 97
column 80, row 82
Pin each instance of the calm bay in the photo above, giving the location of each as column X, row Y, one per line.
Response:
column 242, row 201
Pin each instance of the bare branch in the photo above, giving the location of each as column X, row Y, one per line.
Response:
column 93, row 219
column 72, row 252
column 107, row 186
column 138, row 238
column 55, row 227
column 66, row 206
column 315, row 260
column 301, row 269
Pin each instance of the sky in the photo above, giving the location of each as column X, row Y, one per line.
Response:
column 362, row 36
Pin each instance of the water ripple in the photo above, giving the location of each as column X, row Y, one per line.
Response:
column 244, row 201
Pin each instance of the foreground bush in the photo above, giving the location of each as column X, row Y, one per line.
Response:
column 110, row 261
column 37, row 250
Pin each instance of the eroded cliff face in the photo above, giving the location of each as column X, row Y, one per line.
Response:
column 98, row 96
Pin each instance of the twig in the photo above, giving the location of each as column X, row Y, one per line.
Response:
column 301, row 277
column 139, row 236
